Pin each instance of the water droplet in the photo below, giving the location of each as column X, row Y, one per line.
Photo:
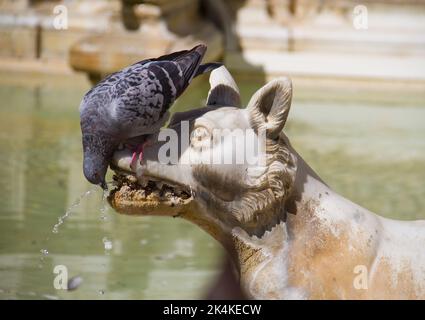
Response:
column 62, row 219
column 104, row 208
column 101, row 292
column 71, row 209
column 107, row 243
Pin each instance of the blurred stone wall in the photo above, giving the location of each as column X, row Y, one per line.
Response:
column 27, row 28
column 271, row 37
column 371, row 39
column 100, row 36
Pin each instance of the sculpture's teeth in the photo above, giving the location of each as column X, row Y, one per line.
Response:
column 144, row 183
column 153, row 186
column 174, row 200
column 131, row 178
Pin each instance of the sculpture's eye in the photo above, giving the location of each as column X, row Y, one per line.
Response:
column 199, row 134
column 200, row 137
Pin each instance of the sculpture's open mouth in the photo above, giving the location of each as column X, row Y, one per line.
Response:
column 150, row 197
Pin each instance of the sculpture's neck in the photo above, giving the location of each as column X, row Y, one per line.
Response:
column 312, row 201
column 263, row 257
column 309, row 193
column 257, row 258
column 269, row 256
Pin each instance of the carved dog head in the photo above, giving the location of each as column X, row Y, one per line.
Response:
column 211, row 173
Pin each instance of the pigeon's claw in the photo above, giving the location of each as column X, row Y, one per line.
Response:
column 133, row 161
column 137, row 156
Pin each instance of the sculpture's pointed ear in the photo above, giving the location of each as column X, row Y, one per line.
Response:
column 224, row 91
column 269, row 107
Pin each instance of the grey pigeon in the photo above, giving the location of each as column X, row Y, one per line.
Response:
column 133, row 102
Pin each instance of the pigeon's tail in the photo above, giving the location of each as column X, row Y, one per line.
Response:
column 207, row 67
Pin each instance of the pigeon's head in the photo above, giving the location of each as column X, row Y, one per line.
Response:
column 95, row 171
column 97, row 154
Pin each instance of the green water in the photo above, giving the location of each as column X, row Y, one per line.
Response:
column 371, row 153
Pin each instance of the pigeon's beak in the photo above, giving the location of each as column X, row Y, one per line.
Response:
column 103, row 185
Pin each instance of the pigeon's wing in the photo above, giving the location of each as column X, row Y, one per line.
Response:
column 188, row 65
column 141, row 99
column 170, row 56
column 145, row 92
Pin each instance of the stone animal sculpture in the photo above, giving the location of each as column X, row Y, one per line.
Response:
column 290, row 236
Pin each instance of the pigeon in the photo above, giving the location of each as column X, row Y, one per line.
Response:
column 131, row 103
